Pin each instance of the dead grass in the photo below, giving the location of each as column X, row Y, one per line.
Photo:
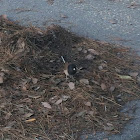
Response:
column 35, row 100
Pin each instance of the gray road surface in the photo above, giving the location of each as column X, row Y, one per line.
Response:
column 115, row 21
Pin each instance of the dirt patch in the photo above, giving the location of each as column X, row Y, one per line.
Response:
column 36, row 101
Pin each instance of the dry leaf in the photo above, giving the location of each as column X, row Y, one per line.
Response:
column 100, row 67
column 93, row 51
column 71, row 85
column 21, row 43
column 1, row 79
column 65, row 97
column 53, row 99
column 66, row 111
column 24, row 88
column 47, row 105
column 34, row 97
column 80, row 49
column 9, row 125
column 59, row 102
column 108, row 128
column 103, row 86
column 34, row 80
column 28, row 115
column 84, row 81
column 91, row 113
column 89, row 57
column 112, row 88
column 88, row 103
column 81, row 113
column 2, row 74
column 8, row 116
column 30, row 120
column 133, row 74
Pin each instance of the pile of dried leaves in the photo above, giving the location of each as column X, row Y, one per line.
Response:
column 36, row 101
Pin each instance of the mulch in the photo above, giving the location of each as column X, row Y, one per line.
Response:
column 36, row 100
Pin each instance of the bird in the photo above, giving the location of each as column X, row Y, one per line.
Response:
column 70, row 69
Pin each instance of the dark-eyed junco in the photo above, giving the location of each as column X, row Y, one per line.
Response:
column 69, row 69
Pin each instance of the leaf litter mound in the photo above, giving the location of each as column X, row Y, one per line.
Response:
column 36, row 101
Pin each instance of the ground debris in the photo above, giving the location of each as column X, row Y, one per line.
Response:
column 36, row 101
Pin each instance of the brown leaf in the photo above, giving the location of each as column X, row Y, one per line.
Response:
column 53, row 99
column 8, row 116
column 91, row 113
column 1, row 79
column 59, row 102
column 100, row 67
column 9, row 125
column 24, row 88
column 112, row 88
column 2, row 74
column 82, row 113
column 108, row 128
column 103, row 86
column 46, row 104
column 28, row 115
column 133, row 74
column 90, row 57
column 34, row 80
column 93, row 51
column 84, row 81
column 88, row 103
column 71, row 85
column 21, row 43
column 65, row 97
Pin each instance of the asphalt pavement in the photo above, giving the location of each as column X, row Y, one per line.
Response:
column 114, row 21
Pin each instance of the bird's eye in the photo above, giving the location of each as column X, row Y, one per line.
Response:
column 74, row 69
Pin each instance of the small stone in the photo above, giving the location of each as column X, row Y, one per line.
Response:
column 84, row 81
